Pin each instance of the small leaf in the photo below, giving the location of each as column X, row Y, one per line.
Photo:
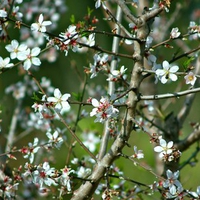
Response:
column 72, row 19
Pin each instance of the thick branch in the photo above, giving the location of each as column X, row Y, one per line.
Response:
column 188, row 141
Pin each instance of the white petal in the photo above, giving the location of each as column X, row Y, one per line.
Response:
column 57, row 93
column 94, row 112
column 173, row 77
column 49, row 135
column 46, row 23
column 174, row 69
column 65, row 105
column 65, row 97
column 27, row 64
column 165, row 65
column 35, row 51
column 158, row 149
column 52, row 99
column 55, row 134
column 170, row 144
column 22, row 55
column 95, row 103
column 36, row 61
column 163, row 143
column 169, row 174
column 40, row 20
column 163, row 80
column 160, row 72
column 58, row 106
column 34, row 27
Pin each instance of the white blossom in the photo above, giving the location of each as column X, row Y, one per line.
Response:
column 60, row 100
column 30, row 57
column 91, row 40
column 164, row 148
column 103, row 110
column 138, row 153
column 167, row 72
column 5, row 63
column 14, row 48
column 172, row 182
column 31, row 150
column 117, row 74
column 44, row 175
column 55, row 139
column 190, row 78
column 174, row 33
column 40, row 25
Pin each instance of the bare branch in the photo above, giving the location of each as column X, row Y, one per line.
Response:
column 188, row 141
column 111, row 85
column 169, row 95
column 126, row 10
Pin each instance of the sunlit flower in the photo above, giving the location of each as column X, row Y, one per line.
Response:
column 31, row 150
column 65, row 179
column 83, row 172
column 69, row 34
column 117, row 74
column 91, row 40
column 55, row 139
column 60, row 100
column 44, row 175
column 103, row 110
column 164, row 148
column 30, row 57
column 15, row 12
column 40, row 25
column 172, row 181
column 175, row 33
column 167, row 72
column 14, row 48
column 138, row 153
column 190, row 78
column 5, row 63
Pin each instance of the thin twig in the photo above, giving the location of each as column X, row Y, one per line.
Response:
column 169, row 95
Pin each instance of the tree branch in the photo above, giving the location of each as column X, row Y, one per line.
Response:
column 189, row 140
column 111, row 85
column 169, row 95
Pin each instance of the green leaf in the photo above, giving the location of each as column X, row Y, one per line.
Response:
column 77, row 96
column 72, row 19
column 89, row 11
column 35, row 97
column 188, row 62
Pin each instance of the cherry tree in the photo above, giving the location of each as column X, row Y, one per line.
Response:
column 137, row 72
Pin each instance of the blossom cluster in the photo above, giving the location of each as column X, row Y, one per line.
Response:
column 103, row 110
column 166, row 150
column 100, row 64
column 70, row 39
column 23, row 53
